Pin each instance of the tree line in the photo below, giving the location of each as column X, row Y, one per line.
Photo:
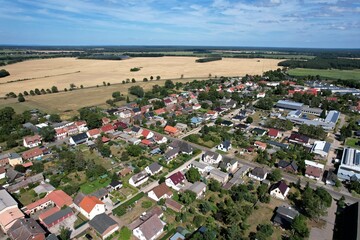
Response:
column 323, row 63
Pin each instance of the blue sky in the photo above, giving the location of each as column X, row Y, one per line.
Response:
column 267, row 23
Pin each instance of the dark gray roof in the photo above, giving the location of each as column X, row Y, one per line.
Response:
column 100, row 193
column 79, row 197
column 58, row 215
column 259, row 172
column 154, row 167
column 281, row 186
column 172, row 152
column 115, row 183
column 259, row 131
column 183, row 146
column 331, row 176
column 226, row 144
column 284, row 216
column 277, row 144
column 80, row 138
column 101, row 223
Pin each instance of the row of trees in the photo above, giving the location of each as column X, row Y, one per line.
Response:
column 323, row 63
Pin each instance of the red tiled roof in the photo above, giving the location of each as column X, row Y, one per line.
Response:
column 260, row 144
column 177, row 178
column 107, row 128
column 32, row 153
column 170, row 129
column 105, row 139
column 160, row 111
column 89, row 202
column 28, row 164
column 60, row 131
column 273, row 132
column 59, row 197
column 94, row 132
column 35, row 138
column 146, row 142
column 145, row 132
column 80, row 123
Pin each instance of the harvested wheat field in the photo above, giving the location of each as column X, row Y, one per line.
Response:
column 61, row 72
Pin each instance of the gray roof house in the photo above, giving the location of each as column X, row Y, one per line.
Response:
column 258, row 174
column 153, row 168
column 198, row 188
column 284, row 216
column 104, row 225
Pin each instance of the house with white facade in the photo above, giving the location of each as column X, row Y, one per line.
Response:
column 175, row 181
column 258, row 173
column 91, row 206
column 224, row 146
column 161, row 191
column 139, row 179
column 211, row 157
column 32, row 141
column 321, row 148
column 150, row 229
column 279, row 190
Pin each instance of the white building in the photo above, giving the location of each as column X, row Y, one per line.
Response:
column 258, row 174
column 279, row 190
column 321, row 148
column 139, row 179
column 349, row 168
column 224, row 146
column 32, row 141
column 90, row 207
column 313, row 170
column 211, row 157
column 161, row 191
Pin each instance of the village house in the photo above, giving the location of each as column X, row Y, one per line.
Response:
column 93, row 133
column 200, row 166
column 90, row 206
column 159, row 192
column 313, row 170
column 288, row 166
column 299, row 139
column 230, row 165
column 154, row 168
column 147, row 134
column 175, row 181
column 150, row 229
column 284, row 216
column 259, row 132
column 211, row 157
column 273, row 133
column 173, row 131
column 279, row 190
column 34, row 153
column 61, row 133
column 115, row 185
column 10, row 158
column 258, row 173
column 224, row 146
column 26, row 228
column 218, row 175
column 260, row 145
column 32, row 141
column 81, row 125
column 57, row 198
column 104, row 225
column 9, row 211
column 139, row 179
column 199, row 188
column 78, row 139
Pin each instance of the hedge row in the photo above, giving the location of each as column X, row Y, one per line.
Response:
column 121, row 210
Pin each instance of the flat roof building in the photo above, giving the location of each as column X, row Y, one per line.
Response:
column 349, row 168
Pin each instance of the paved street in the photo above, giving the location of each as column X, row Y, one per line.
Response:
column 327, row 231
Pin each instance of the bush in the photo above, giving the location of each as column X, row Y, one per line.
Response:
column 146, row 204
column 4, row 73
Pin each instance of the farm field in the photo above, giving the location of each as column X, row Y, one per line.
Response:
column 333, row 73
column 62, row 72
column 67, row 103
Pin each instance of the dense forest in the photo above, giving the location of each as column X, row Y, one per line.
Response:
column 323, row 63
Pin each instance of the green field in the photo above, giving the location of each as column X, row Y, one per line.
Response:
column 351, row 142
column 330, row 73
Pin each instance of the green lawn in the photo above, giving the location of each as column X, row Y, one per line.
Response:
column 327, row 73
column 91, row 187
column 125, row 233
column 351, row 142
